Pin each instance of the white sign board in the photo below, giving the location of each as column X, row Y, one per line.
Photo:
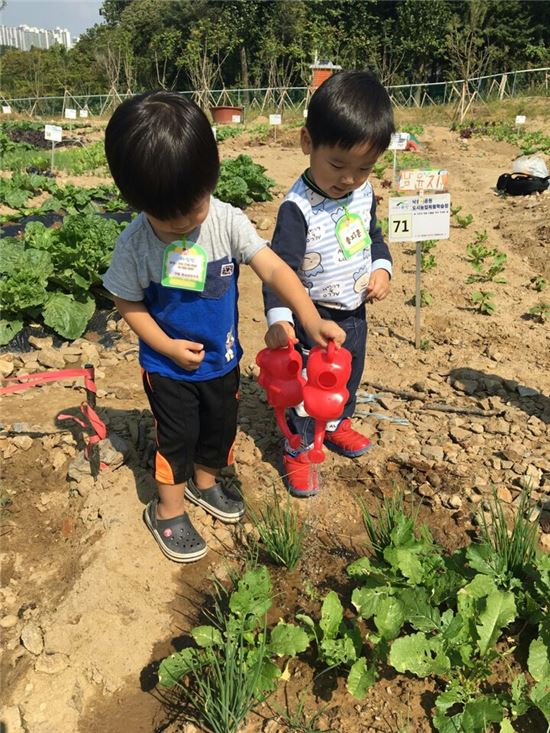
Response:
column 275, row 119
column 416, row 218
column 423, row 180
column 214, row 132
column 6, row 109
column 82, row 112
column 70, row 114
column 305, row 113
column 399, row 141
column 235, row 119
column 53, row 133
column 520, row 119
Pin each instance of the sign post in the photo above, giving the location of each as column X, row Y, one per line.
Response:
column 55, row 134
column 420, row 217
column 520, row 120
column 275, row 121
column 398, row 141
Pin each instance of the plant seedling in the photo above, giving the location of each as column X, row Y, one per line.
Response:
column 428, row 261
column 426, row 298
column 484, row 300
column 462, row 221
column 538, row 283
column 540, row 312
column 492, row 274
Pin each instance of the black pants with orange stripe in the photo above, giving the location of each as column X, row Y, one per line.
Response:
column 196, row 422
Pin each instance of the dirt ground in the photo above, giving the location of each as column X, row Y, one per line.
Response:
column 84, row 582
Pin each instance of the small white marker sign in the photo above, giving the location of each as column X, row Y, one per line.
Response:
column 399, row 141
column 6, row 109
column 53, row 133
column 235, row 119
column 214, row 132
column 82, row 112
column 70, row 114
column 520, row 119
column 416, row 218
column 305, row 113
column 275, row 119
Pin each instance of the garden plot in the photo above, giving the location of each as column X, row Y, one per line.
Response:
column 97, row 605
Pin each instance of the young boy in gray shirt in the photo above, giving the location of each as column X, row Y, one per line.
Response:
column 174, row 280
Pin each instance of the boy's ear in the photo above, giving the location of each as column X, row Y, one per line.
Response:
column 305, row 141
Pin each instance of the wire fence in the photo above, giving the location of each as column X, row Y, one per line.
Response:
column 525, row 82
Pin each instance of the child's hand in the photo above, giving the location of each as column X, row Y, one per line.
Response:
column 187, row 354
column 379, row 285
column 321, row 331
column 278, row 334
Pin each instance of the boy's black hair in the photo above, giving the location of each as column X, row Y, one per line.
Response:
column 162, row 153
column 350, row 108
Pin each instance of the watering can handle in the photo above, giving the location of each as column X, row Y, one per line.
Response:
column 331, row 347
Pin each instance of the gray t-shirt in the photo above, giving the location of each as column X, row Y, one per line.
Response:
column 209, row 317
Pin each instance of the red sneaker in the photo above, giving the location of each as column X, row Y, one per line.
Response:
column 300, row 476
column 346, row 441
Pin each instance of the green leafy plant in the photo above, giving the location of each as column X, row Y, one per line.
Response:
column 242, row 181
column 484, row 300
column 339, row 644
column 49, row 274
column 281, row 531
column 231, row 668
column 540, row 311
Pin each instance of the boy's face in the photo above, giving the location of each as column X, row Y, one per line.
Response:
column 335, row 170
column 170, row 230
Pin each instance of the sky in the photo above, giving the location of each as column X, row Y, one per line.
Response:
column 76, row 15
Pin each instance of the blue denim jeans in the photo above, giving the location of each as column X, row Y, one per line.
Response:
column 354, row 323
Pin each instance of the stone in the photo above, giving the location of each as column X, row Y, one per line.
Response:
column 527, row 391
column 31, row 638
column 433, row 452
column 11, row 720
column 455, row 502
column 6, row 367
column 426, row 490
column 264, row 224
column 459, row 435
column 50, row 358
column 7, row 622
column 23, row 442
column 51, row 663
column 504, row 494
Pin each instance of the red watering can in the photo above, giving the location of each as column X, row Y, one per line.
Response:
column 324, row 394
column 281, row 377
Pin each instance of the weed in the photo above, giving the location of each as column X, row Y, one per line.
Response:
column 281, row 531
column 513, row 550
column 299, row 722
column 426, row 345
column 390, row 517
column 484, row 300
column 540, row 311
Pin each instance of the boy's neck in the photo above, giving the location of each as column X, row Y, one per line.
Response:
column 308, row 180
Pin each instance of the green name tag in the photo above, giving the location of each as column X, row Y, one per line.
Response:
column 184, row 266
column 352, row 235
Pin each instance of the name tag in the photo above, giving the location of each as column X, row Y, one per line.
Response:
column 352, row 235
column 184, row 266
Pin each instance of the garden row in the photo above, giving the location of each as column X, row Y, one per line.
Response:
column 456, row 618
